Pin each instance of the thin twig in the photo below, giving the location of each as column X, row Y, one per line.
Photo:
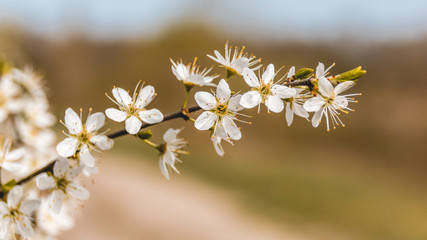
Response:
column 183, row 113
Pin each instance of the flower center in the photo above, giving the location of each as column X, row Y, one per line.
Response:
column 61, row 184
column 221, row 110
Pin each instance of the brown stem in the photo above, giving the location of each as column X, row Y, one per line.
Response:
column 179, row 114
column 183, row 113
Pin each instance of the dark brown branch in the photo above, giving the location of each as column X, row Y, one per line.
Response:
column 179, row 114
column 183, row 113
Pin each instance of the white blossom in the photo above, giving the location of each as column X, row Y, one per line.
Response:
column 191, row 74
column 220, row 110
column 16, row 214
column 83, row 137
column 329, row 102
column 63, row 184
column 236, row 61
column 52, row 223
column 132, row 110
column 8, row 158
column 265, row 91
column 169, row 151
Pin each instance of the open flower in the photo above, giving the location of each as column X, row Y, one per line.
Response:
column 16, row 214
column 221, row 110
column 235, row 61
column 63, row 184
column 83, row 137
column 170, row 150
column 133, row 109
column 329, row 102
column 191, row 74
column 8, row 158
column 265, row 91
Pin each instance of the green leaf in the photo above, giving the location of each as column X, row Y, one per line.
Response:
column 303, row 73
column 350, row 75
column 145, row 134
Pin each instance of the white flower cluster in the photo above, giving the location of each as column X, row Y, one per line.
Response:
column 43, row 209
column 24, row 116
column 26, row 122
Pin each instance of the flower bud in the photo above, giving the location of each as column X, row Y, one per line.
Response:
column 303, row 73
column 350, row 75
column 145, row 134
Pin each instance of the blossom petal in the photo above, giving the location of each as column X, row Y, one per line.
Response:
column 116, row 115
column 87, row 159
column 4, row 227
column 67, row 147
column 77, row 191
column 268, row 75
column 217, row 145
column 250, row 78
column 205, row 121
column 231, row 128
column 163, row 168
column 29, row 206
column 73, row 121
column 317, row 117
column 14, row 196
column 61, row 167
column 320, row 70
column 12, row 166
column 205, row 100
column 342, row 87
column 250, row 99
column 340, row 102
column 223, row 91
column 4, row 209
column 171, row 134
column 274, row 104
column 314, row 104
column 24, row 227
column 289, row 114
column 102, row 142
column 15, row 154
column 55, row 201
column 325, row 87
column 43, row 181
column 300, row 111
column 283, row 91
column 145, row 96
column 234, row 103
column 95, row 122
column 291, row 72
column 133, row 125
column 122, row 96
column 240, row 64
column 151, row 116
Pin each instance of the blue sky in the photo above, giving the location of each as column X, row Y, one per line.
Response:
column 266, row 19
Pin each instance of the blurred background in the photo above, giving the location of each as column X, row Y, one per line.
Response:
column 365, row 181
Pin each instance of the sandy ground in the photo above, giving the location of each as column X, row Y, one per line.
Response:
column 131, row 201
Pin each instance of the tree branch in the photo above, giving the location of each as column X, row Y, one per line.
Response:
column 183, row 113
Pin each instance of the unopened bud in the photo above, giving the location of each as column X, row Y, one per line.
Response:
column 350, row 75
column 145, row 134
column 303, row 73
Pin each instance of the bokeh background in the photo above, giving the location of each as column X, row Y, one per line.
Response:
column 365, row 181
